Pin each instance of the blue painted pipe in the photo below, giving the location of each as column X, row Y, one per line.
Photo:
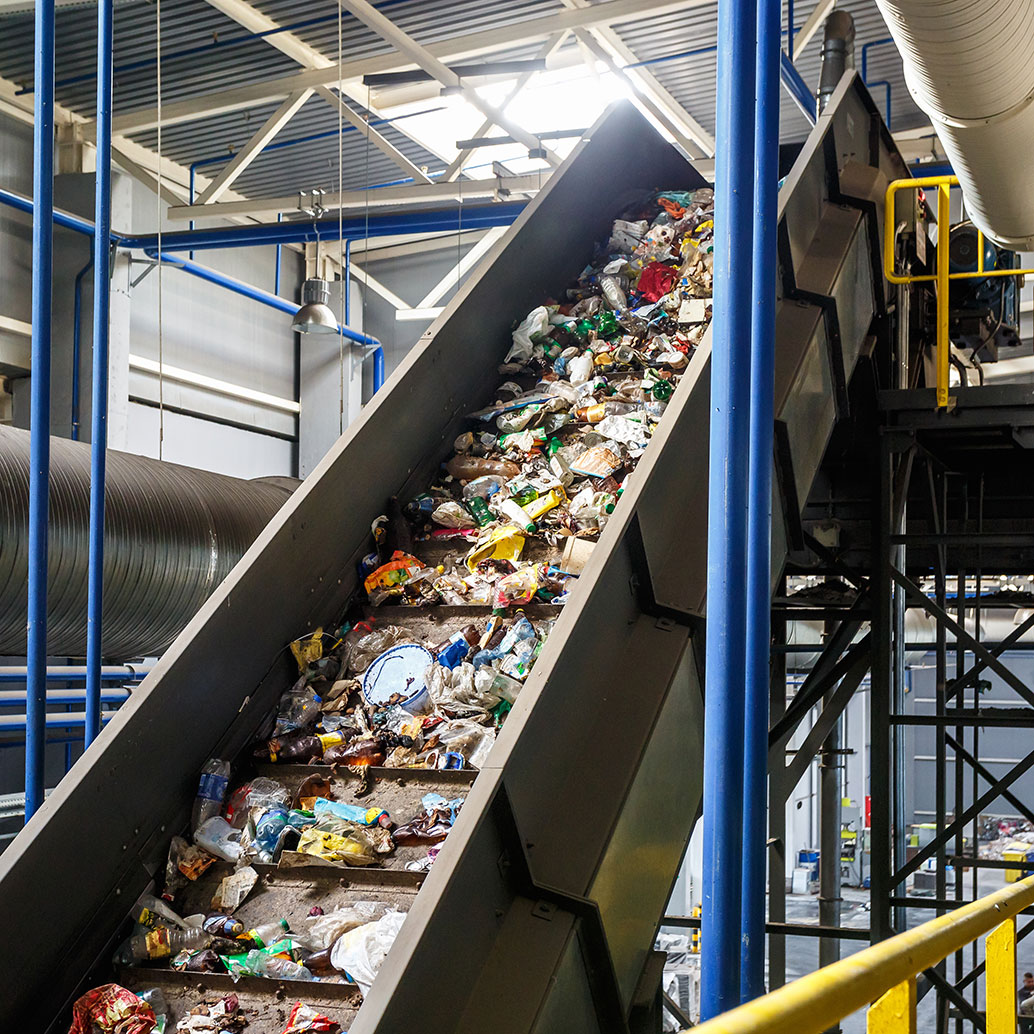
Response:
column 62, row 219
column 77, row 312
column 442, row 220
column 39, row 445
column 378, row 369
column 798, row 88
column 727, row 511
column 20, row 723
column 255, row 293
column 69, row 697
column 99, row 415
column 759, row 502
column 74, row 673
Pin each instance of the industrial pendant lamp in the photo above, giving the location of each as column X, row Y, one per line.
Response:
column 315, row 316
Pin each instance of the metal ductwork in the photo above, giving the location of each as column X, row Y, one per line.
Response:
column 969, row 64
column 837, row 54
column 172, row 534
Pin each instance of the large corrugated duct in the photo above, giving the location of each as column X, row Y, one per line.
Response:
column 171, row 535
column 969, row 64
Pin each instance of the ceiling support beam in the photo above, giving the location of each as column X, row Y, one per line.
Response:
column 652, row 96
column 253, row 148
column 810, row 27
column 418, row 193
column 378, row 139
column 423, row 58
column 456, row 165
column 469, row 45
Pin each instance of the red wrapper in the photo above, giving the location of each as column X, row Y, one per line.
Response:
column 113, row 1009
column 655, row 281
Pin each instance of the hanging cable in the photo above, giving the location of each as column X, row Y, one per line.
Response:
column 340, row 233
column 161, row 359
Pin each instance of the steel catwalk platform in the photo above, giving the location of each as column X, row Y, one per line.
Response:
column 540, row 913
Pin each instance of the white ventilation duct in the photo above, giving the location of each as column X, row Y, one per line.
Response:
column 969, row 64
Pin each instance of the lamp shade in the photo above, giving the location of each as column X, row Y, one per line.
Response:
column 315, row 316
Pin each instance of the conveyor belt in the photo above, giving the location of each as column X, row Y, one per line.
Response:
column 541, row 910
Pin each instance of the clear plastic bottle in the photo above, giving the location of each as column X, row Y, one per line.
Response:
column 150, row 945
column 211, row 791
column 265, row 933
column 613, row 288
column 153, row 912
column 262, row 965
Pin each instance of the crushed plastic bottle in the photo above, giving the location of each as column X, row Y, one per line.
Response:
column 211, row 791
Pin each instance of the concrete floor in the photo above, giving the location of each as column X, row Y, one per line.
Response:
column 802, row 953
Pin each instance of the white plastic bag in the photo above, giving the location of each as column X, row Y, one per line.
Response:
column 361, row 952
column 458, row 687
column 324, row 930
column 534, row 326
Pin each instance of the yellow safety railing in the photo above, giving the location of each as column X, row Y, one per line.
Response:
column 883, row 977
column 942, row 276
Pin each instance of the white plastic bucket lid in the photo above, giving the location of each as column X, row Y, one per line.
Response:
column 398, row 670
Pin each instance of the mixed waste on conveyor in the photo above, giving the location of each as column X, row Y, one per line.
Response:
column 365, row 765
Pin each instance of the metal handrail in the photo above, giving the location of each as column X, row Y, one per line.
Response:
column 942, row 276
column 883, row 976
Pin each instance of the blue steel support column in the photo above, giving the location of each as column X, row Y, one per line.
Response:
column 99, row 416
column 39, row 446
column 759, row 510
column 727, row 511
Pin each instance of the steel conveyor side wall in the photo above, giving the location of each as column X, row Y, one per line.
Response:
column 541, row 913
column 104, row 831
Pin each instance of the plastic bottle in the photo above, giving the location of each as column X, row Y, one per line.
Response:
column 265, row 933
column 262, row 965
column 614, row 292
column 466, row 468
column 457, row 646
column 153, row 912
column 211, row 791
column 515, row 514
column 479, row 511
column 359, row 753
column 219, row 925
column 161, row 943
column 218, row 837
column 300, row 746
column 269, row 829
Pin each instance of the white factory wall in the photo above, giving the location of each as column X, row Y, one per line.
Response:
column 205, row 330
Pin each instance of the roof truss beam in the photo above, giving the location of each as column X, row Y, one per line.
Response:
column 468, row 45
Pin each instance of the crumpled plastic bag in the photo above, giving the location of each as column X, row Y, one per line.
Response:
column 453, row 515
column 372, row 645
column 262, row 793
column 299, row 709
column 534, row 326
column 361, row 952
column 324, row 930
column 112, row 1009
column 337, row 841
column 468, row 738
column 431, row 824
column 458, row 688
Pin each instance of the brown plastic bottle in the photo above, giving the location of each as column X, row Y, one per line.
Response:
column 470, row 633
column 466, row 467
column 359, row 754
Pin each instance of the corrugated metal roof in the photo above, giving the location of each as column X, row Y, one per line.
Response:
column 204, row 52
